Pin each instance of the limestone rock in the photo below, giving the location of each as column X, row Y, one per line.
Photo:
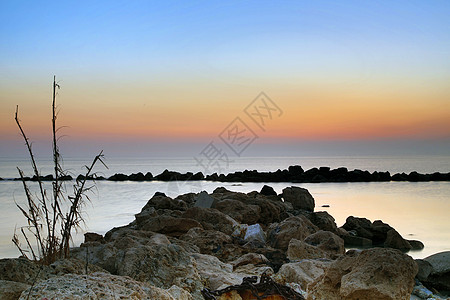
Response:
column 170, row 225
column 249, row 258
column 303, row 272
column 246, row 214
column 298, row 250
column 215, row 272
column 94, row 286
column 160, row 265
column 208, row 241
column 370, row 274
column 298, row 227
column 164, row 202
column 211, row 219
column 179, row 294
column 328, row 242
column 299, row 197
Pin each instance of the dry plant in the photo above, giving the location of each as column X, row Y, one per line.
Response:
column 49, row 230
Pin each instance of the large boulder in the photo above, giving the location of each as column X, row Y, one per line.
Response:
column 299, row 197
column 211, row 219
column 376, row 273
column 94, row 286
column 239, row 211
column 298, row 227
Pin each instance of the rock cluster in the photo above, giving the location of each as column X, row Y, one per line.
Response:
column 175, row 248
column 292, row 174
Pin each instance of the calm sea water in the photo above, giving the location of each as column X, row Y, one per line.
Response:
column 416, row 210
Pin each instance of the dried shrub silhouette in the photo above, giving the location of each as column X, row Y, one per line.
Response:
column 49, row 230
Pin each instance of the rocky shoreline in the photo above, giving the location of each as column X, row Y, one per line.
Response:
column 208, row 246
column 294, row 174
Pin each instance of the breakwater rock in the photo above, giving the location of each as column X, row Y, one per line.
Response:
column 200, row 245
column 294, row 174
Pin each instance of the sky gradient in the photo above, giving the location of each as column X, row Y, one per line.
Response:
column 140, row 77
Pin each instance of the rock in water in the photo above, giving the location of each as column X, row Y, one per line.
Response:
column 299, row 197
column 371, row 274
column 395, row 240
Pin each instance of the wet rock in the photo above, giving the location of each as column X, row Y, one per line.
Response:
column 298, row 227
column 328, row 242
column 370, row 274
column 211, row 219
column 247, row 214
column 94, row 286
column 303, row 272
column 395, row 240
column 299, row 197
column 267, row 191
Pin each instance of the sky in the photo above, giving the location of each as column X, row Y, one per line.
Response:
column 166, row 78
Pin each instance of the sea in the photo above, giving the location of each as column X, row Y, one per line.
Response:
column 417, row 210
